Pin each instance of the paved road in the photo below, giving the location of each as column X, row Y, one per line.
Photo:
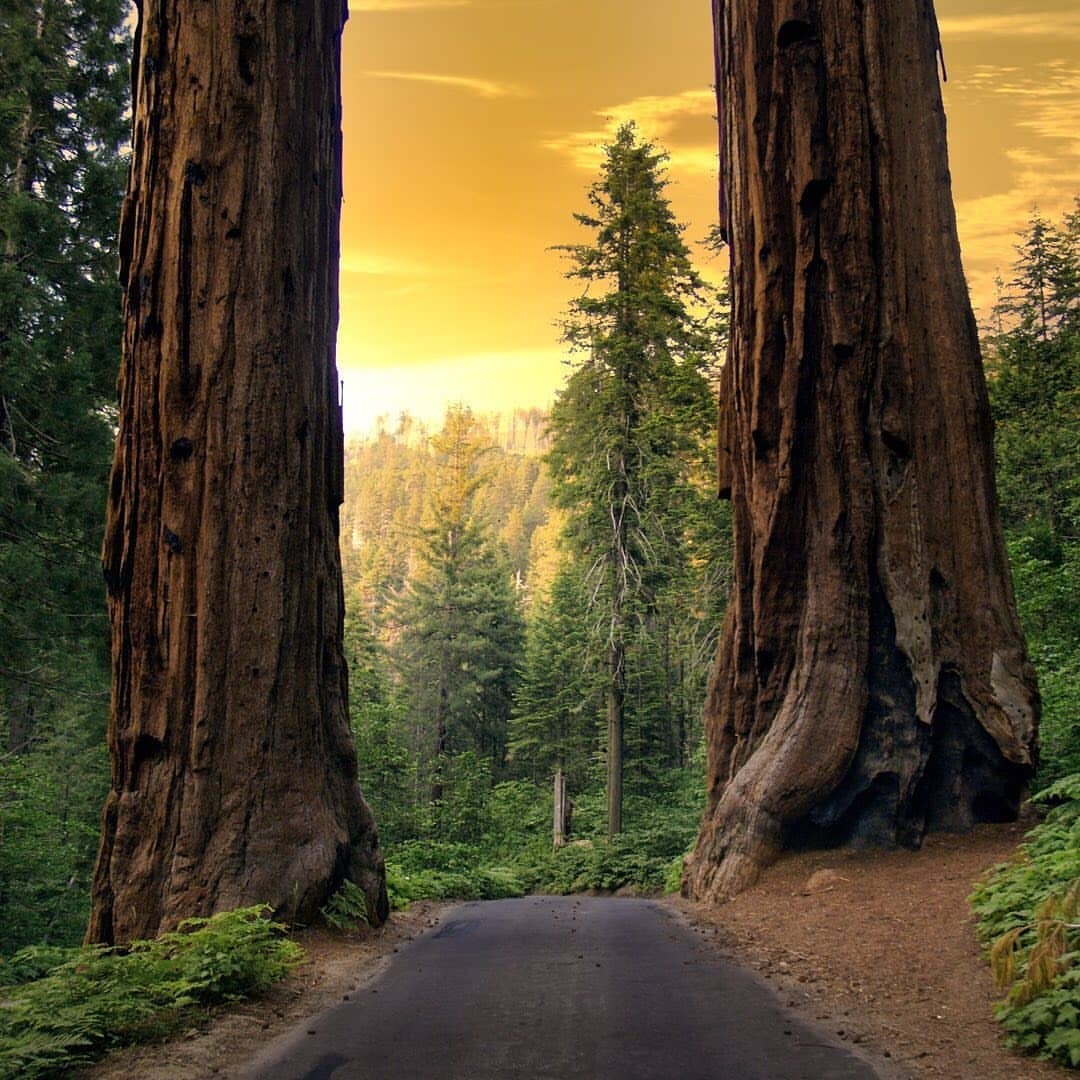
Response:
column 574, row 988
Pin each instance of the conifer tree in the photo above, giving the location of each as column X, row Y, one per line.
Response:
column 635, row 401
column 461, row 631
column 234, row 773
column 63, row 93
column 553, row 726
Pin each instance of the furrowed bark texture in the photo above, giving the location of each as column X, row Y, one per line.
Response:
column 234, row 772
column 872, row 682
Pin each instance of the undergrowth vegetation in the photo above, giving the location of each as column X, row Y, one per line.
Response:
column 514, row 855
column 1029, row 919
column 63, row 1008
column 1029, row 909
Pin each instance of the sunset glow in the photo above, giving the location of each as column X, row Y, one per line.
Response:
column 472, row 130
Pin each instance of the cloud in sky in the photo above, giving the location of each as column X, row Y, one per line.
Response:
column 1057, row 24
column 1044, row 164
column 404, row 5
column 485, row 88
column 657, row 116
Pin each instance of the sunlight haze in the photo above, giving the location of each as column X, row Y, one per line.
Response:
column 472, row 130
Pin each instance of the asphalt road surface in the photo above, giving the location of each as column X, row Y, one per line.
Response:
column 576, row 988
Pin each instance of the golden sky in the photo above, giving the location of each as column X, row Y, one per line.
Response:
column 471, row 135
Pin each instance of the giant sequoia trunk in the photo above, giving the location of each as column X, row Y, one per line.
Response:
column 234, row 773
column 872, row 683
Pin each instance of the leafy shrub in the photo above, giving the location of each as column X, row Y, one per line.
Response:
column 347, row 907
column 673, row 875
column 433, row 870
column 99, row 998
column 514, row 856
column 1029, row 918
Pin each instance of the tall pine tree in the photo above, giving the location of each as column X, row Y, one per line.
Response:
column 460, row 640
column 635, row 403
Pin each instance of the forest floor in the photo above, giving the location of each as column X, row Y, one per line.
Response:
column 880, row 949
column 879, row 946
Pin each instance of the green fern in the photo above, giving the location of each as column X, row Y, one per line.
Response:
column 347, row 907
column 96, row 998
column 1029, row 920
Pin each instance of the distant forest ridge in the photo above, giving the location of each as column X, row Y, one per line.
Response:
column 520, row 431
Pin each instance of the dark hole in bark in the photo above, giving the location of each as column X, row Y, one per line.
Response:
column 813, row 195
column 843, row 351
column 233, row 233
column 147, row 750
column 793, row 31
column 182, row 449
column 764, row 660
column 172, row 541
column 871, row 804
column 302, row 432
column 194, row 174
column 151, row 327
column 967, row 780
column 896, row 444
column 112, row 580
column 990, row 807
column 762, row 443
column 246, row 53
column 287, row 281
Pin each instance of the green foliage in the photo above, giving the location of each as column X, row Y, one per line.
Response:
column 1048, row 598
column 515, row 856
column 631, row 466
column 459, row 644
column 95, row 999
column 560, row 695
column 1029, row 918
column 63, row 99
column 1034, row 382
column 439, row 870
column 347, row 908
column 50, row 807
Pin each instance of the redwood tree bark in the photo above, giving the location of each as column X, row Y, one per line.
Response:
column 234, row 772
column 872, row 682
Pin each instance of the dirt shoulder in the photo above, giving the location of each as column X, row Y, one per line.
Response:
column 880, row 948
column 334, row 965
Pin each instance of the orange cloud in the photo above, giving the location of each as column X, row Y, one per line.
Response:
column 485, row 88
column 657, row 116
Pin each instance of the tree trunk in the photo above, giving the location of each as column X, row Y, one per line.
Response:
column 234, row 776
column 873, row 682
column 21, row 720
column 558, row 832
column 616, row 699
